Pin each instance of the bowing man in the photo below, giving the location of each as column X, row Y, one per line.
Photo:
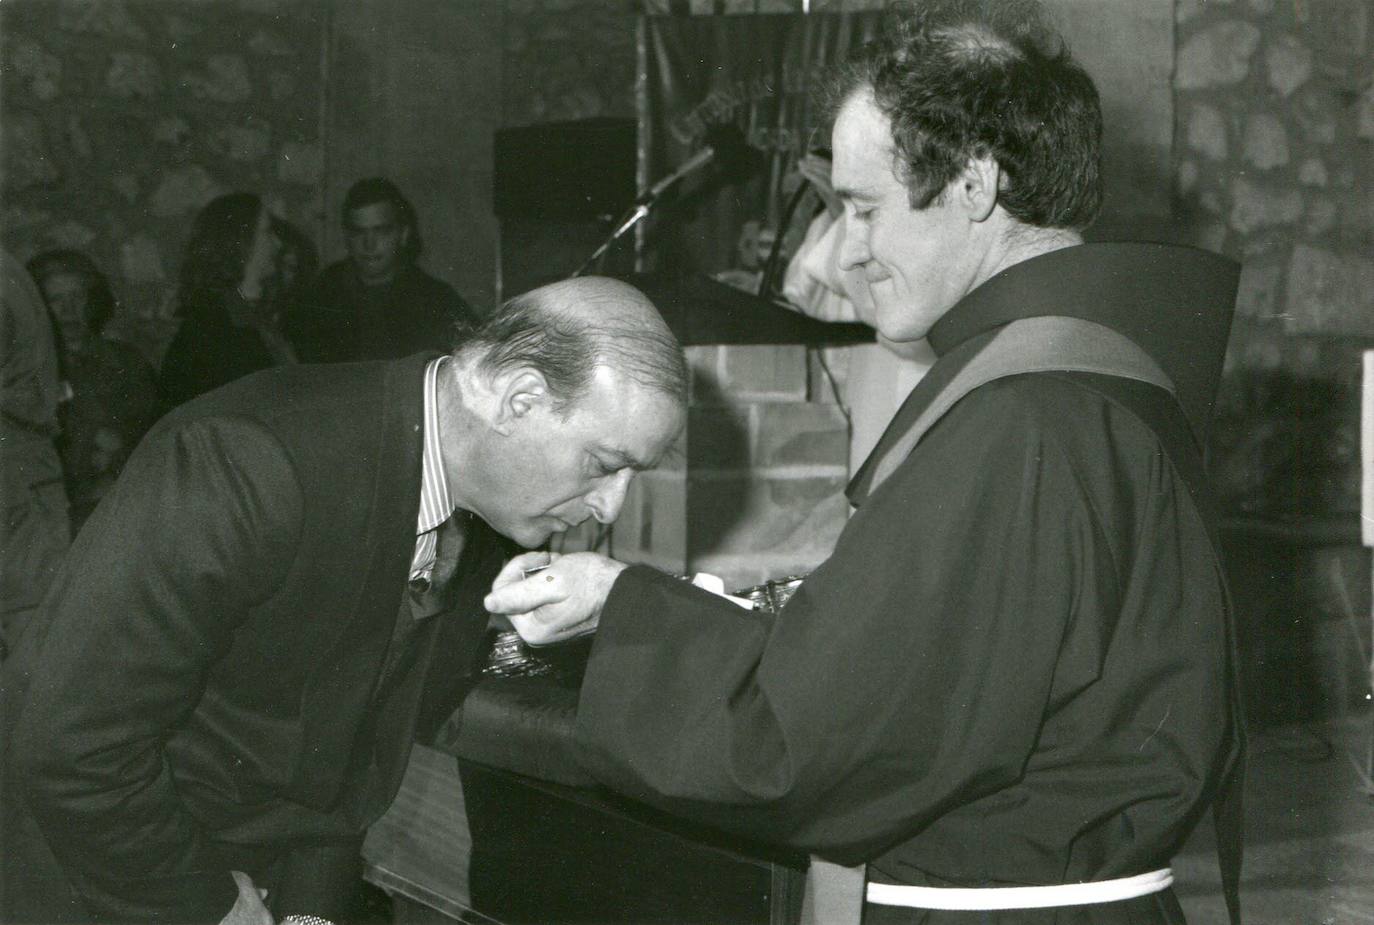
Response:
column 220, row 693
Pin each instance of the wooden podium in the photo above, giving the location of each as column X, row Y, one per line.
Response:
column 495, row 822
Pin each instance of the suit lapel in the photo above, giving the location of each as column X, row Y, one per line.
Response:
column 349, row 670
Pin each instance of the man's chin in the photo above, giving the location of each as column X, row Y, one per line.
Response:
column 532, row 536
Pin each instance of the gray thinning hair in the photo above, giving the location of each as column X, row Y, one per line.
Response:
column 566, row 330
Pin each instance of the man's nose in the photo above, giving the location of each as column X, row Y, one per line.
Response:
column 608, row 498
column 853, row 247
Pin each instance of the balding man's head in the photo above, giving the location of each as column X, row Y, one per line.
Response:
column 560, row 398
column 565, row 330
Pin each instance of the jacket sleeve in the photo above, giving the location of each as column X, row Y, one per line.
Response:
column 203, row 522
column 862, row 712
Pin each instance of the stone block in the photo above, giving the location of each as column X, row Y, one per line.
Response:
column 78, row 139
column 33, row 63
column 1330, row 293
column 1364, row 114
column 184, row 189
column 71, row 234
column 1266, row 141
column 1216, row 56
column 828, row 370
column 140, row 259
column 1356, row 213
column 1207, row 131
column 1316, row 112
column 264, row 42
column 1255, row 346
column 741, row 514
column 1312, row 172
column 1320, row 217
column 719, row 436
column 224, row 80
column 1187, row 10
column 108, row 18
column 28, row 160
column 133, row 74
column 126, row 184
column 1211, row 200
column 703, row 368
column 1210, row 236
column 281, row 85
column 767, row 371
column 1337, row 28
column 172, row 130
column 243, row 142
column 1288, row 63
column 800, row 434
column 1185, row 180
column 300, row 162
column 1258, row 292
column 181, row 28
column 1255, row 206
column 654, row 521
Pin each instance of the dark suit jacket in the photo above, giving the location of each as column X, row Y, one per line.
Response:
column 208, row 351
column 343, row 320
column 205, row 671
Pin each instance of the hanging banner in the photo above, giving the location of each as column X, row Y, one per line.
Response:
column 757, row 75
column 745, row 86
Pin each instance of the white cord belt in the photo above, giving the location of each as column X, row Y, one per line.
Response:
column 1021, row 897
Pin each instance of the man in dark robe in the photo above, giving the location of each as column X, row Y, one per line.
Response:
column 1015, row 670
column 220, row 692
column 377, row 303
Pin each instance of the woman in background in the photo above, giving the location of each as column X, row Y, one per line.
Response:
column 228, row 319
column 110, row 397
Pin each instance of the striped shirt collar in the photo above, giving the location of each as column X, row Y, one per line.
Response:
column 436, row 504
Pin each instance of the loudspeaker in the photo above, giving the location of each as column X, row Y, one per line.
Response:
column 565, row 171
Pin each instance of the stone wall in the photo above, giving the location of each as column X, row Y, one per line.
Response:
column 123, row 117
column 1275, row 168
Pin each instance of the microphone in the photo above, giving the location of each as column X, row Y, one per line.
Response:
column 725, row 145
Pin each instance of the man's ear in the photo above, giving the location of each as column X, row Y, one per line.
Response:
column 522, row 392
column 976, row 187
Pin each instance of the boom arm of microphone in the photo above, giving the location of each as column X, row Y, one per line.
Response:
column 640, row 210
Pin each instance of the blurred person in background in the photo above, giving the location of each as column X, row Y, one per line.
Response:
column 110, row 395
column 377, row 304
column 283, row 590
column 298, row 263
column 228, row 321
column 33, row 532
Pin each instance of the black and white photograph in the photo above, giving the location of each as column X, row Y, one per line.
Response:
column 687, row 462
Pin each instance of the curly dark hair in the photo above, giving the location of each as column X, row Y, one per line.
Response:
column 100, row 300
column 218, row 250
column 962, row 79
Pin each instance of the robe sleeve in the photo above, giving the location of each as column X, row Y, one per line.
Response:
column 907, row 676
column 202, row 524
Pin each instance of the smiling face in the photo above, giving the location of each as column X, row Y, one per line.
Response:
column 915, row 263
column 376, row 237
column 549, row 471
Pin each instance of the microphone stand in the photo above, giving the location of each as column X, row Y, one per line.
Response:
column 640, row 210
